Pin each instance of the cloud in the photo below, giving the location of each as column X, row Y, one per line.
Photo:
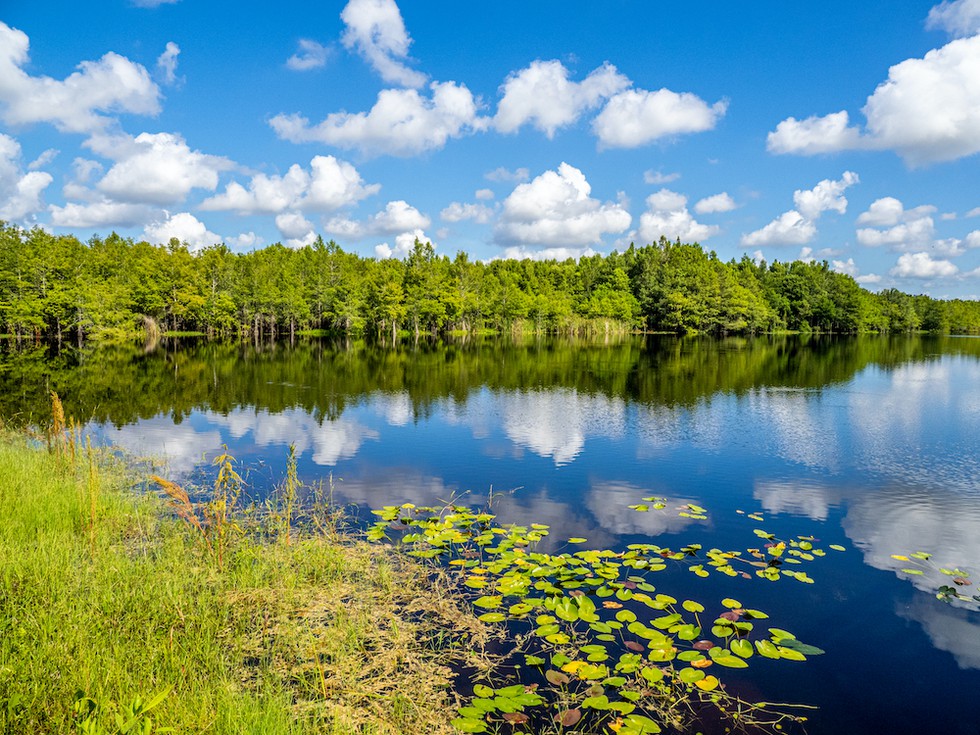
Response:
column 798, row 226
column 397, row 217
column 103, row 213
column 901, row 229
column 908, row 231
column 402, row 122
column 886, row 212
column 456, row 212
column 20, row 192
column 404, row 244
column 658, row 178
column 329, row 185
column 975, row 212
column 185, row 227
column 44, row 159
column 155, row 168
column 543, row 96
column 789, row 228
column 555, row 209
column 715, row 204
column 667, row 216
column 519, row 252
column 928, row 110
column 826, row 196
column 484, row 194
column 167, row 63
column 922, row 265
column 814, row 135
column 113, row 84
column 519, row 175
column 375, row 29
column 152, row 3
column 637, row 117
column 297, row 230
column 245, row 240
column 310, row 55
column 959, row 19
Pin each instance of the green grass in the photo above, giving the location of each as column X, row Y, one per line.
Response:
column 104, row 591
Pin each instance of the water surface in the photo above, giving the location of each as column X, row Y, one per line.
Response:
column 871, row 443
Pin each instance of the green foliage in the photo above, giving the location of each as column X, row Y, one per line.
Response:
column 131, row 626
column 114, row 288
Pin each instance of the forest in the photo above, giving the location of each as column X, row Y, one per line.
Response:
column 59, row 288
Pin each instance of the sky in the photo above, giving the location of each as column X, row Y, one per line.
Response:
column 838, row 131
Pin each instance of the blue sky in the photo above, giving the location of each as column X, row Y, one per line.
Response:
column 839, row 131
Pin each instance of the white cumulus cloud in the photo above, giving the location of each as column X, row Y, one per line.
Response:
column 297, row 230
column 826, row 196
column 714, row 204
column 928, row 110
column 922, row 265
column 814, row 135
column 329, row 185
column 155, row 168
column 667, row 215
column 457, row 212
column 113, row 84
column 637, row 117
column 375, row 29
column 102, row 213
column 556, row 209
column 185, row 227
column 789, row 228
column 402, row 122
column 519, row 252
column 404, row 244
column 798, row 226
column 542, row 95
column 20, row 191
column 397, row 217
column 894, row 226
column 245, row 240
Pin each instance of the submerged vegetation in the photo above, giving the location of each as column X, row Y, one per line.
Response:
column 54, row 286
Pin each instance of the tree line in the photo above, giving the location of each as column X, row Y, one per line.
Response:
column 57, row 287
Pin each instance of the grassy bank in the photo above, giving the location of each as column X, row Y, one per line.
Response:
column 105, row 596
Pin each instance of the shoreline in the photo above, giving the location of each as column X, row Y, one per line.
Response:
column 108, row 599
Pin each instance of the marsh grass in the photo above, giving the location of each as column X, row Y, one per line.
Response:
column 107, row 598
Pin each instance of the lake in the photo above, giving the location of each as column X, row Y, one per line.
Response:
column 872, row 443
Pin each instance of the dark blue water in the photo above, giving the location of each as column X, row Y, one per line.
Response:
column 873, row 445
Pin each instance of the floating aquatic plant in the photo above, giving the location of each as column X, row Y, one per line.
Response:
column 596, row 646
column 919, row 563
